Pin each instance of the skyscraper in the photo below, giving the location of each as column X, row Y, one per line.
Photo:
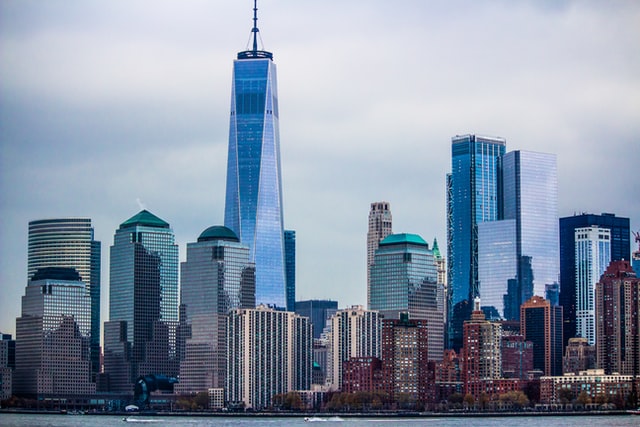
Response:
column 269, row 353
column 253, row 206
column 290, row 267
column 593, row 255
column 618, row 320
column 318, row 312
column 541, row 323
column 143, row 296
column 472, row 198
column 518, row 254
column 620, row 249
column 216, row 277
column 404, row 279
column 380, row 226
column 69, row 243
column 53, row 336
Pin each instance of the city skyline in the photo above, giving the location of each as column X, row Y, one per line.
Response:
column 87, row 88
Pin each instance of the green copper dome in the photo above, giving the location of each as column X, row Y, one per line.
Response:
column 145, row 218
column 394, row 239
column 218, row 232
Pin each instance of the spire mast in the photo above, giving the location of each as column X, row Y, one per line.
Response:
column 255, row 52
column 255, row 29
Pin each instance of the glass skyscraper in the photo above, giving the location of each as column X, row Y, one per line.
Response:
column 620, row 250
column 290, row 267
column 69, row 243
column 253, row 205
column 143, row 289
column 472, row 198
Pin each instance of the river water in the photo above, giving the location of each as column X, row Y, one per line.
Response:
column 32, row 420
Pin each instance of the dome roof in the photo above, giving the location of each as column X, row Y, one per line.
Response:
column 218, row 232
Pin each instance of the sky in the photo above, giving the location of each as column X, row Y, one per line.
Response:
column 108, row 107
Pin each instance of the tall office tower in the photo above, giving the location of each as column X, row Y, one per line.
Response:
column 380, row 226
column 481, row 352
column 253, row 207
column 143, row 299
column 318, row 312
column 620, row 249
column 53, row 336
column 541, row 323
column 290, row 267
column 593, row 255
column 618, row 320
column 578, row 356
column 405, row 358
column 518, row 255
column 69, row 242
column 216, row 277
column 404, row 279
column 7, row 364
column 355, row 332
column 635, row 256
column 472, row 198
column 269, row 353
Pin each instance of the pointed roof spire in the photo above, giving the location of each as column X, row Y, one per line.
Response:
column 255, row 53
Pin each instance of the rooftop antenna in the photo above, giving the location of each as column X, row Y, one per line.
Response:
column 255, row 53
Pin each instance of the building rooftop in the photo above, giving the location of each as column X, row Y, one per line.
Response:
column 145, row 218
column 394, row 239
column 218, row 232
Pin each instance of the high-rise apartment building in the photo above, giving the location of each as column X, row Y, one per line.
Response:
column 405, row 362
column 269, row 353
column 472, row 198
column 290, row 267
column 517, row 355
column 53, row 336
column 355, row 332
column 578, row 356
column 69, row 242
column 620, row 249
column 7, row 364
column 618, row 320
column 253, row 206
column 143, row 299
column 404, row 279
column 518, row 254
column 593, row 255
column 216, row 277
column 481, row 351
column 541, row 323
column 318, row 312
column 380, row 226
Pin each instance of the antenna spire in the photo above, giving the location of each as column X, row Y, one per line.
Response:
column 255, row 29
column 254, row 52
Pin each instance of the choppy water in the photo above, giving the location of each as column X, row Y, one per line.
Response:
column 30, row 420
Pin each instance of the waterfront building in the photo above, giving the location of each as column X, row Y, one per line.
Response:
column 69, row 242
column 53, row 336
column 598, row 385
column 472, row 198
column 215, row 278
column 253, row 204
column 318, row 312
column 404, row 280
column 578, row 356
column 405, row 361
column 448, row 376
column 618, row 320
column 290, row 267
column 517, row 356
column 620, row 249
column 269, row 353
column 7, row 364
column 362, row 374
column 143, row 300
column 593, row 255
column 380, row 226
column 481, row 351
column 355, row 332
column 541, row 323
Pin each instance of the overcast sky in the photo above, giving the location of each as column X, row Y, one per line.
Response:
column 110, row 106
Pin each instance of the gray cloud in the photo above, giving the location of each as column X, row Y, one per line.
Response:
column 106, row 103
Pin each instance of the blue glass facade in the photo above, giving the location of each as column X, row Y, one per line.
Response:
column 472, row 198
column 253, row 205
column 290, row 266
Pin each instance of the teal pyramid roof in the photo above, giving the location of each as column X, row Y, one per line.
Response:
column 145, row 218
column 436, row 249
column 393, row 239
